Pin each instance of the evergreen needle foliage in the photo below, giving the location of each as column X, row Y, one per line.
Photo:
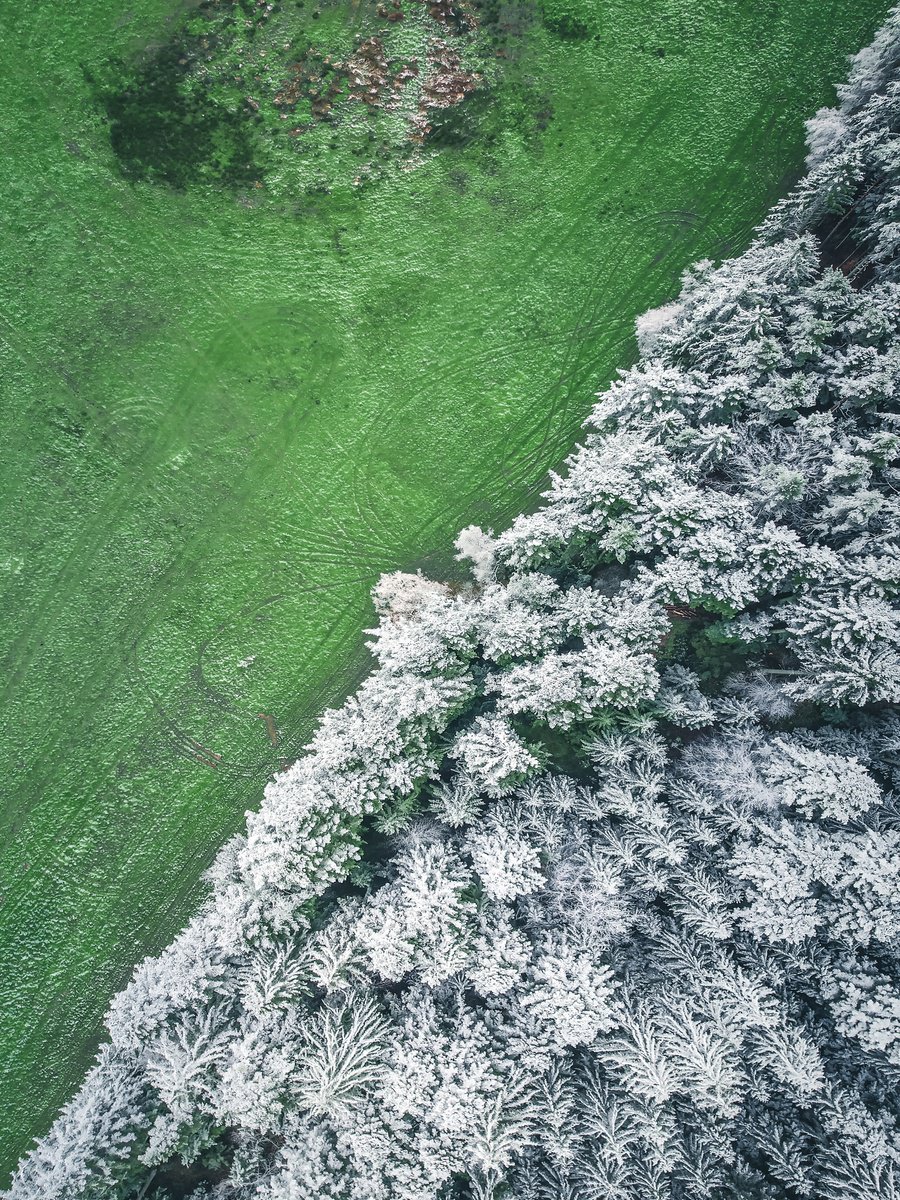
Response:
column 592, row 892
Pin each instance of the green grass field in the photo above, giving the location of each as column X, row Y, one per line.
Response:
column 227, row 409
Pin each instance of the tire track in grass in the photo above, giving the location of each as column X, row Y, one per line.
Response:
column 237, row 499
column 97, row 533
column 554, row 402
column 94, row 535
column 191, row 747
column 649, row 121
column 580, row 357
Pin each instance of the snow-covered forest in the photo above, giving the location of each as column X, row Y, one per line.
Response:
column 592, row 891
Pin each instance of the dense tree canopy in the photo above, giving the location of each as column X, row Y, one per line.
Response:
column 592, row 891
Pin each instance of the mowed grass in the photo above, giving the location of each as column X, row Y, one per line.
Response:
column 224, row 415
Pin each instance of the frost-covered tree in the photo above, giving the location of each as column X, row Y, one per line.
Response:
column 592, row 891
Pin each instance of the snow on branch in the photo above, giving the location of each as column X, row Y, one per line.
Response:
column 592, row 889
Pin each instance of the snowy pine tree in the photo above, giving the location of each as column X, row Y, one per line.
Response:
column 592, row 891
